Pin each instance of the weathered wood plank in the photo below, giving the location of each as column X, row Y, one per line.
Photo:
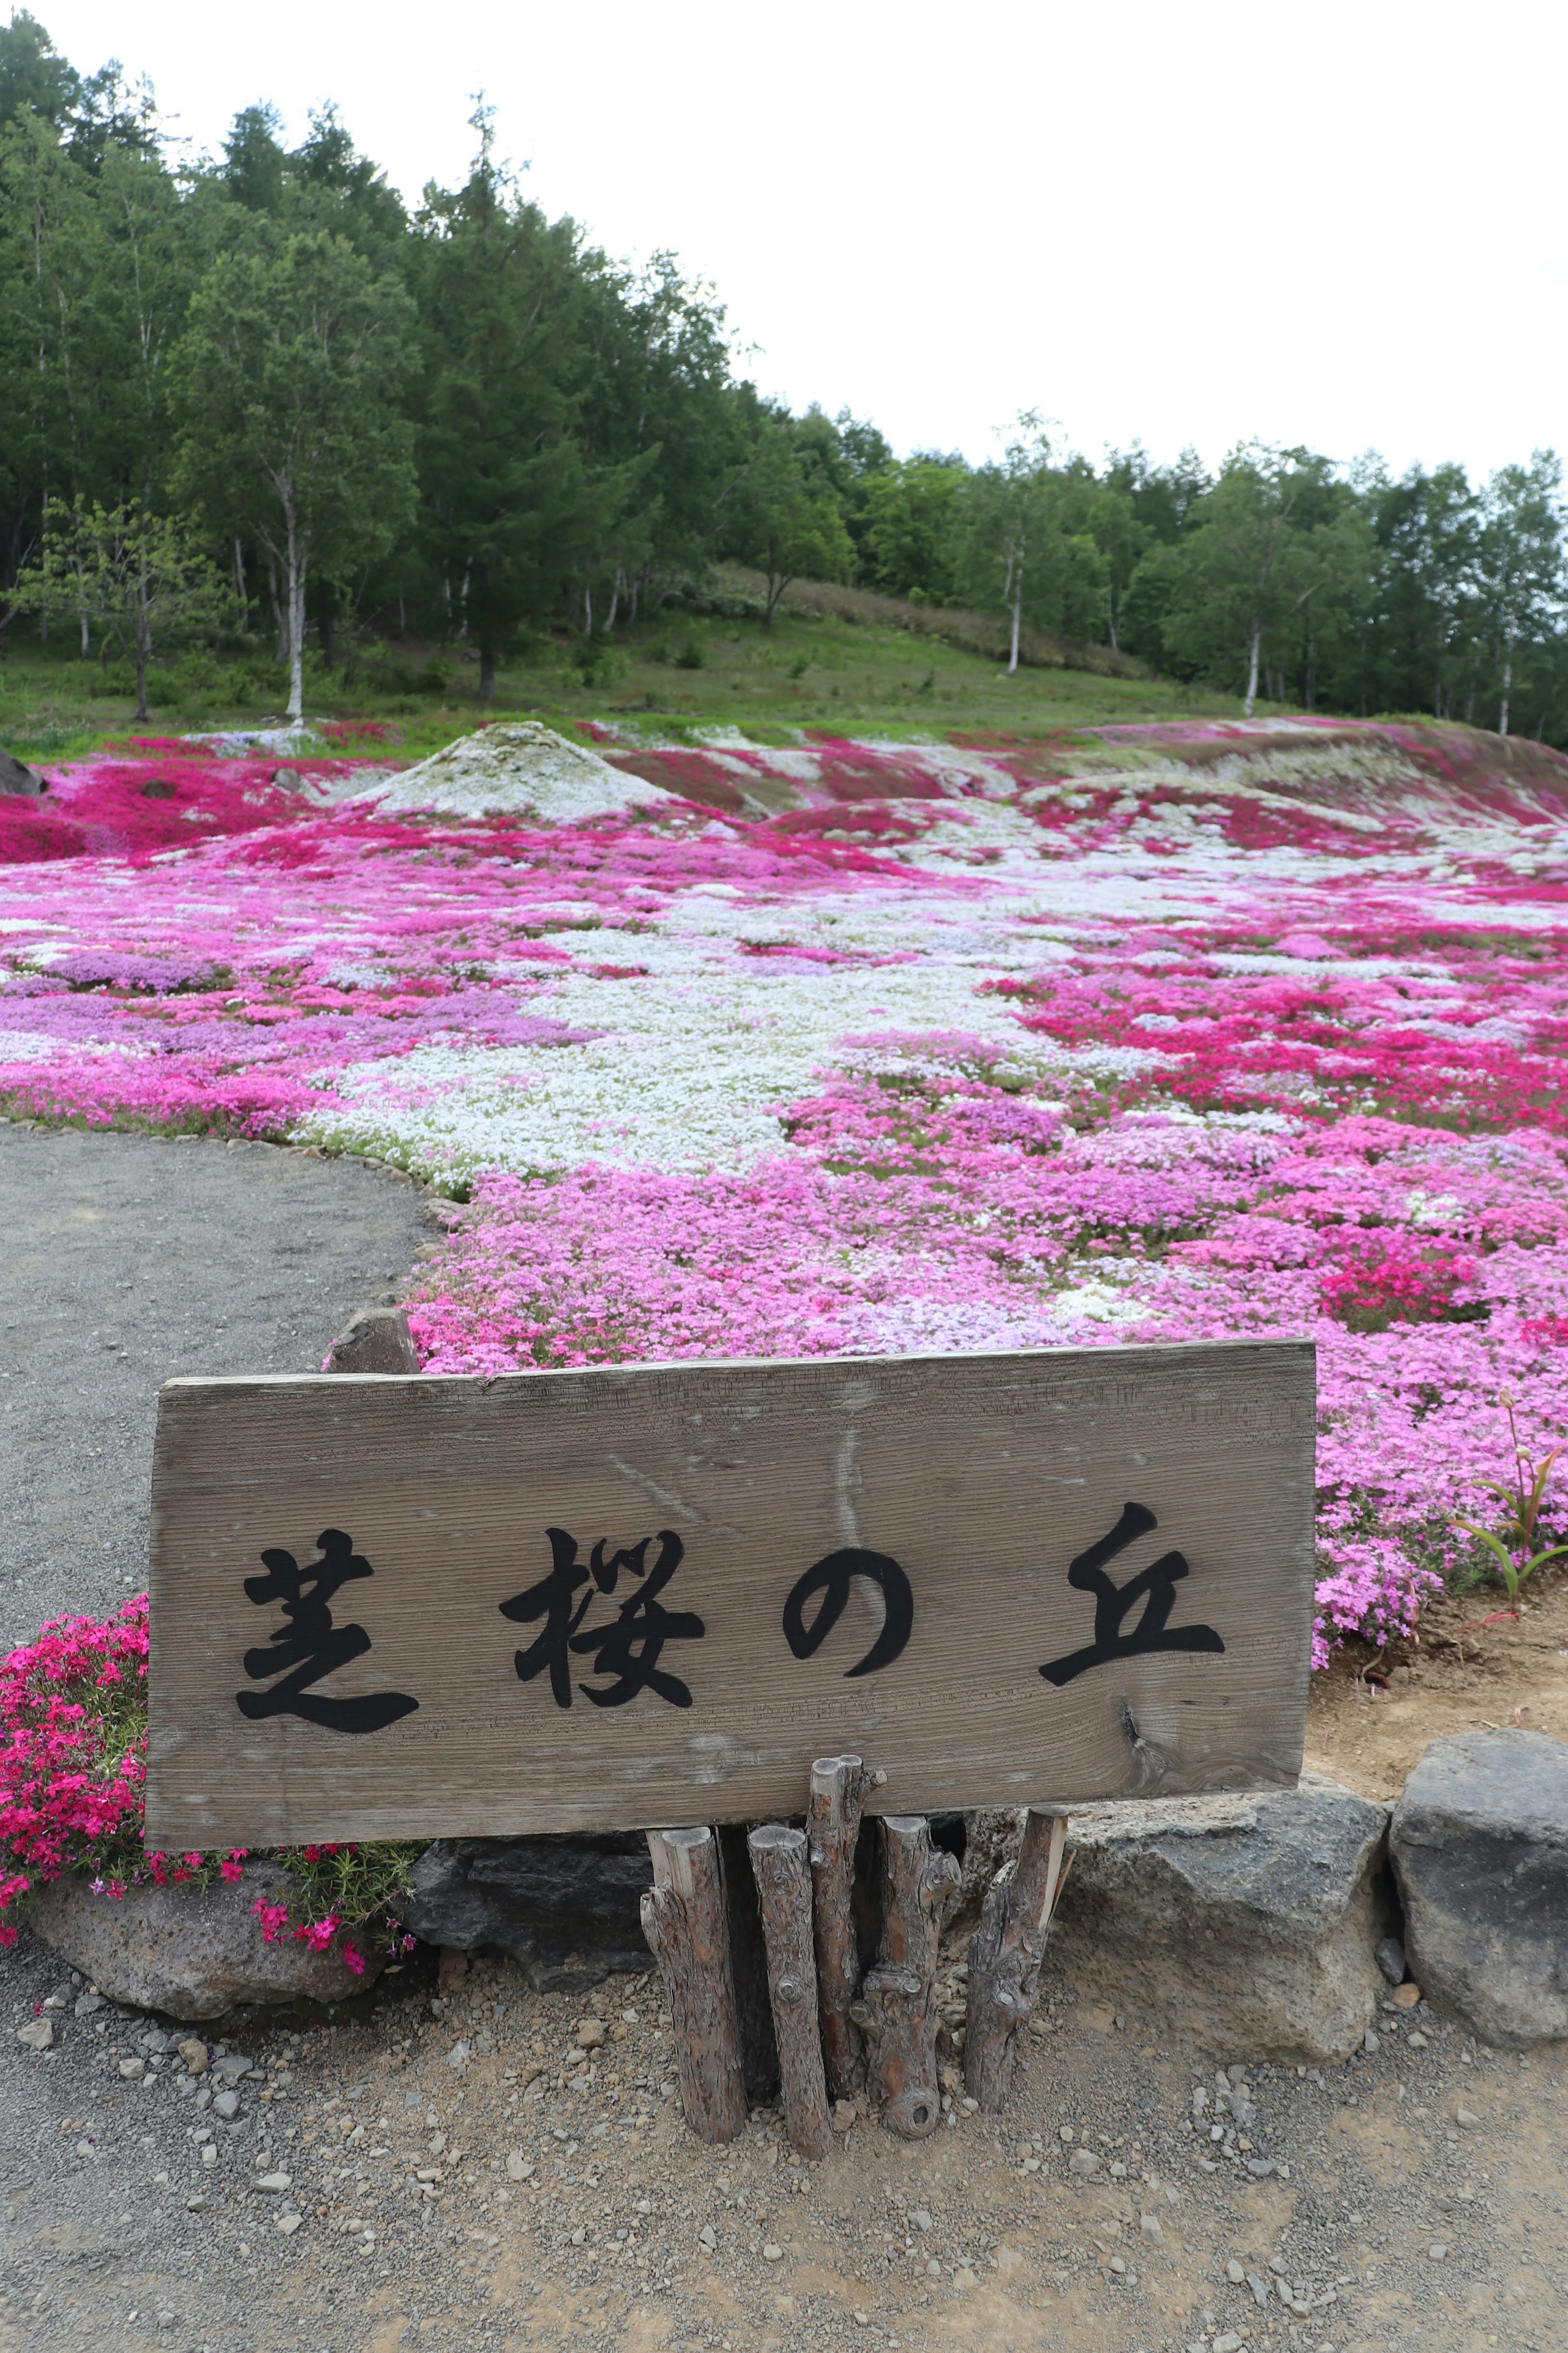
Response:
column 876, row 1553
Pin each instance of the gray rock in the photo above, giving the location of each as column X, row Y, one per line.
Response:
column 379, row 1341
column 17, row 778
column 190, row 1952
column 567, row 1909
column 1479, row 1848
column 227, row 2106
column 1251, row 1921
column 1391, row 1960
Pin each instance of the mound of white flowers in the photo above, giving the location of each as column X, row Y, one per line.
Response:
column 518, row 769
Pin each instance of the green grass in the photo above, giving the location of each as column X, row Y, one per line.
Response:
column 676, row 673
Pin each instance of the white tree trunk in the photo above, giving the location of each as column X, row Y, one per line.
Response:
column 1018, row 607
column 1507, row 687
column 297, row 568
column 1252, row 671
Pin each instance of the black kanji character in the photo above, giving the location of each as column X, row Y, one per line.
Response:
column 629, row 1648
column 830, row 1578
column 551, row 1598
column 1156, row 1587
column 311, row 1645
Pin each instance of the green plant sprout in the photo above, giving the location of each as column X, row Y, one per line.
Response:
column 1524, row 1497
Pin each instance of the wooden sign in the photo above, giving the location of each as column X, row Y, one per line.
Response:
column 400, row 1607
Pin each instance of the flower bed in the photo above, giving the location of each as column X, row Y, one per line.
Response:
column 73, row 1750
column 1157, row 1034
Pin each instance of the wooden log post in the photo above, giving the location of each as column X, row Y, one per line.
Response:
column 684, row 1922
column 783, row 1891
column 839, row 1787
column 897, row 2008
column 1004, row 1955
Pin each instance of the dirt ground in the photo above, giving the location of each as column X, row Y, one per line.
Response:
column 475, row 2169
column 1458, row 1676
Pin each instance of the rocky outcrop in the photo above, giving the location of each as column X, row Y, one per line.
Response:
column 1479, row 1848
column 1250, row 1922
column 190, row 1952
column 567, row 1909
column 14, row 778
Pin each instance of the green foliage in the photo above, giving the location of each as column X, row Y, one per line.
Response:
column 783, row 513
column 907, row 544
column 1515, row 1554
column 129, row 575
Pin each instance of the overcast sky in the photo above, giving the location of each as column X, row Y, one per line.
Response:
column 1341, row 224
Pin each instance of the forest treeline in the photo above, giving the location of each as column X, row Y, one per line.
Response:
column 255, row 399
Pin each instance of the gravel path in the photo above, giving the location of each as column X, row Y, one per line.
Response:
column 129, row 1258
column 470, row 2169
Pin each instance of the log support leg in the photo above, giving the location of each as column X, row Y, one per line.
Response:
column 839, row 1787
column 784, row 1893
column 683, row 1920
column 897, row 2008
column 1004, row 1955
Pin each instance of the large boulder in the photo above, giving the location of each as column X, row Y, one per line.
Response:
column 567, row 1909
column 14, row 778
column 1249, row 1924
column 1479, row 1848
column 191, row 1952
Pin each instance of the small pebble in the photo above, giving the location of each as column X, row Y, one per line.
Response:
column 1235, row 2273
column 773, row 2253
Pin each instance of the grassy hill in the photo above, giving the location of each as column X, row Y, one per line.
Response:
column 835, row 659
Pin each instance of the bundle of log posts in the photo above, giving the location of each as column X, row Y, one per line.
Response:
column 842, row 2032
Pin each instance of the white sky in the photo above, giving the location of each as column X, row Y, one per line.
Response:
column 1340, row 224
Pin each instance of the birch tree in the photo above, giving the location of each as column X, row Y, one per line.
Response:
column 1521, row 562
column 286, row 384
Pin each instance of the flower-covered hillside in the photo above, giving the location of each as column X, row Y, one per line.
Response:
column 731, row 1050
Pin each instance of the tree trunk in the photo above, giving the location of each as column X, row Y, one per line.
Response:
column 486, row 674
column 683, row 1920
column 279, row 614
column 240, row 598
column 86, row 634
column 839, row 1787
column 1005, row 1955
column 784, row 1890
column 298, row 573
column 143, row 644
column 897, row 2008
column 1252, row 695
column 1017, row 611
column 1507, row 686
